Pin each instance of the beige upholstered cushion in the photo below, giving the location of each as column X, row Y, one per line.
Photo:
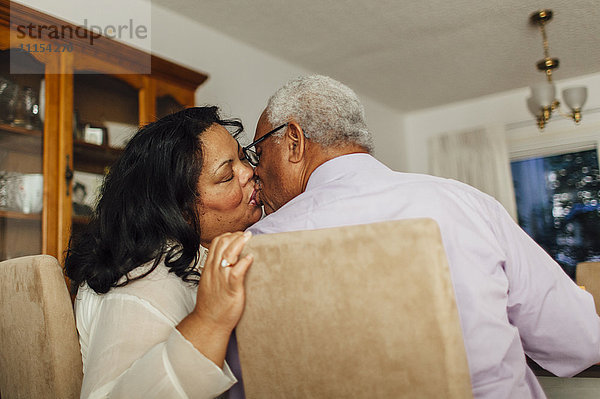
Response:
column 39, row 349
column 588, row 275
column 353, row 312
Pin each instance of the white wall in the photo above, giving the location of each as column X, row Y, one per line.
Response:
column 387, row 127
column 509, row 110
column 241, row 77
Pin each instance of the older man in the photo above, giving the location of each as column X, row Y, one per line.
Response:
column 313, row 165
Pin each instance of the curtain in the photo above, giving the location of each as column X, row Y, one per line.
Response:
column 478, row 157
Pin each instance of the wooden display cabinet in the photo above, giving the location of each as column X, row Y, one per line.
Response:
column 21, row 152
column 97, row 85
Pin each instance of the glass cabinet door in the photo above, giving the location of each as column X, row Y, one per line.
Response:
column 171, row 98
column 105, row 116
column 167, row 104
column 21, row 154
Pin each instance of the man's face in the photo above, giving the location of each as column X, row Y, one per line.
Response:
column 273, row 171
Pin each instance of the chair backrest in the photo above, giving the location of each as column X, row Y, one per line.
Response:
column 39, row 348
column 352, row 312
column 588, row 275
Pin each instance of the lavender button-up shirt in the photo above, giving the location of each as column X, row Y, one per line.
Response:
column 512, row 298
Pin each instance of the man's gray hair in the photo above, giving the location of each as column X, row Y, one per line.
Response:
column 328, row 111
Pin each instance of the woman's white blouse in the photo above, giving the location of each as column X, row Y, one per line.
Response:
column 131, row 348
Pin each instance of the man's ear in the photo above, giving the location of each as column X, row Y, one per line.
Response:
column 295, row 141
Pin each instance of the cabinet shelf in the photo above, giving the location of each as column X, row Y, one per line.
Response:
column 20, row 139
column 80, row 220
column 20, row 130
column 92, row 158
column 20, row 216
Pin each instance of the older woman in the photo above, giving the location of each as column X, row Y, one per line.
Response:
column 155, row 309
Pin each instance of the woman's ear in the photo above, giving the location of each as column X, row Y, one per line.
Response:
column 295, row 141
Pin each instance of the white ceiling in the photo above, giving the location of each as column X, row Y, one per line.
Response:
column 412, row 54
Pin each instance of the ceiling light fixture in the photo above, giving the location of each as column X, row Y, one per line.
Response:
column 543, row 102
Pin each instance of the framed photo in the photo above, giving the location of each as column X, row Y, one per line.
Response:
column 95, row 135
column 84, row 193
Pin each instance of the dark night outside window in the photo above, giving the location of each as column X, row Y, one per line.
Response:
column 558, row 205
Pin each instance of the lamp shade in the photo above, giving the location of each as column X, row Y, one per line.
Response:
column 543, row 94
column 575, row 97
column 533, row 107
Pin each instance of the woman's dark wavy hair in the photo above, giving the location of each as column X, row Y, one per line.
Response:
column 147, row 207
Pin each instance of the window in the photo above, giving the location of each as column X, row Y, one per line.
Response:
column 558, row 200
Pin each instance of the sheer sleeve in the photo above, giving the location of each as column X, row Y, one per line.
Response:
column 132, row 350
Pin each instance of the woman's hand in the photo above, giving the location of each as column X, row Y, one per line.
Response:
column 221, row 297
column 221, row 294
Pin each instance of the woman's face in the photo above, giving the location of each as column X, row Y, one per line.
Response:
column 226, row 186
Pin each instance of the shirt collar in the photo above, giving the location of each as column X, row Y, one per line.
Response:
column 334, row 168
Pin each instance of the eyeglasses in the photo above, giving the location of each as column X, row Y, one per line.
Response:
column 251, row 155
